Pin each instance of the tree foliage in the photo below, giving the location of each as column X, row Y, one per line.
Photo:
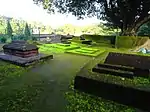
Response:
column 144, row 30
column 9, row 30
column 18, row 26
column 27, row 30
column 128, row 15
column 96, row 29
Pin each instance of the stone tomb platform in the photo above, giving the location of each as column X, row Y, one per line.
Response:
column 24, row 62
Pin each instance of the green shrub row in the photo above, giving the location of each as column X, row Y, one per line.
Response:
column 119, row 41
column 129, row 41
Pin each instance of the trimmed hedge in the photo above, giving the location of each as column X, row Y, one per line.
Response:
column 129, row 41
column 125, row 41
column 101, row 38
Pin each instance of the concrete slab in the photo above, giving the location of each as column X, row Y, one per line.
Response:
column 23, row 61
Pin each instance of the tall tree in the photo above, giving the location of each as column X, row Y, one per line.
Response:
column 27, row 30
column 128, row 15
column 9, row 30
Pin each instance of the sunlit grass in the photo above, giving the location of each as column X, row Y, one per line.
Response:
column 82, row 102
column 18, row 93
column 87, row 51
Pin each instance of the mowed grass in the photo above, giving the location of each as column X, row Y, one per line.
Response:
column 73, row 48
column 15, row 95
column 56, row 48
column 62, row 46
column 87, row 51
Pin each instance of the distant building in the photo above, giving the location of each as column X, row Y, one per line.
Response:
column 53, row 37
column 35, row 31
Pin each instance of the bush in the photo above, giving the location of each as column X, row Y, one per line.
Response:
column 22, row 37
column 3, row 40
column 34, row 38
column 125, row 41
column 18, row 37
column 129, row 41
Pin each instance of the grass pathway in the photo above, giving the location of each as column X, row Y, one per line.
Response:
column 58, row 73
column 41, row 88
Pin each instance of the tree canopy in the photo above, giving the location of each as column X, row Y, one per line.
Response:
column 128, row 15
column 9, row 30
column 144, row 30
column 27, row 30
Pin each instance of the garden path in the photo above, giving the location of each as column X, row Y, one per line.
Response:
column 57, row 74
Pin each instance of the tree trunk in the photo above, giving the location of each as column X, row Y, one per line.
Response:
column 129, row 32
column 132, row 30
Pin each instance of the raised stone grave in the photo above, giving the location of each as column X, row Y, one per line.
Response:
column 23, row 61
column 116, row 67
column 130, row 60
column 89, row 42
column 65, row 41
column 56, row 39
column 21, row 53
column 141, row 64
column 115, row 72
column 124, row 91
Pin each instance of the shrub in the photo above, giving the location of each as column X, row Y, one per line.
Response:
column 34, row 38
column 18, row 37
column 3, row 40
column 125, row 41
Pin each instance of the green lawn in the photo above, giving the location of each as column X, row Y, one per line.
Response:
column 71, row 48
column 61, row 46
column 87, row 51
column 45, row 87
column 56, row 48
